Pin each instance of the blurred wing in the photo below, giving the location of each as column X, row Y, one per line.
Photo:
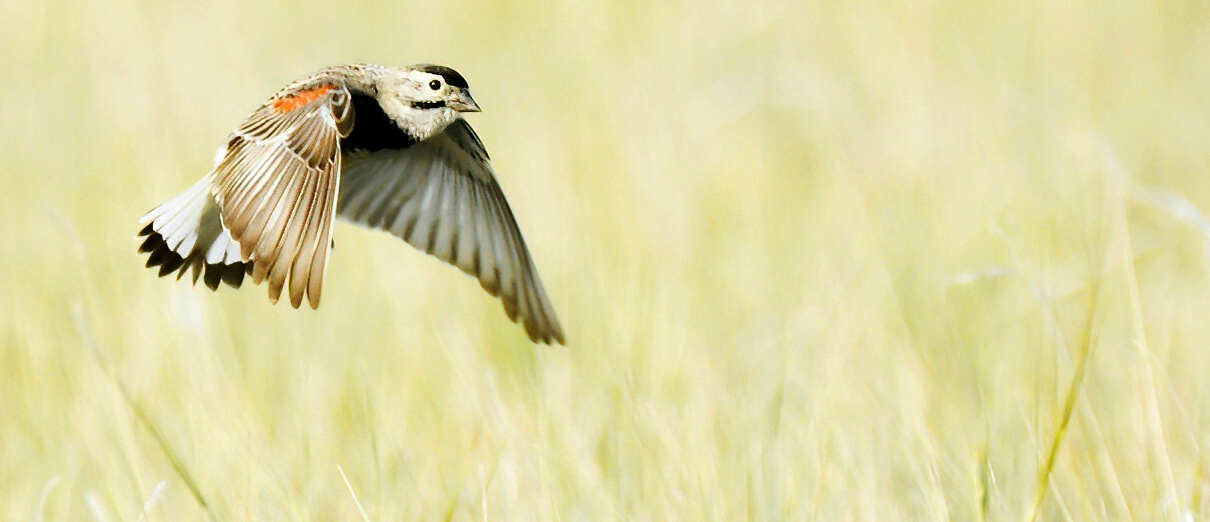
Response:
column 278, row 185
column 441, row 196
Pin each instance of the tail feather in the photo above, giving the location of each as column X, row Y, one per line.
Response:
column 186, row 234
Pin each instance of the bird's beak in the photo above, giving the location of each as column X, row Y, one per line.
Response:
column 464, row 103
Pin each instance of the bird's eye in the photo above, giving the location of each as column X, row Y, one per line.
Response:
column 435, row 84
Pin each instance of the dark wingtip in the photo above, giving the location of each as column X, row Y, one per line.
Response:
column 551, row 336
column 233, row 276
column 165, row 261
column 159, row 256
column 171, row 265
column 213, row 277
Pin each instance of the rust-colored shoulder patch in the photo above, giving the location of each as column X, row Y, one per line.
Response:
column 300, row 98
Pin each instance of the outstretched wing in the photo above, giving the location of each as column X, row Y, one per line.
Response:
column 441, row 196
column 278, row 184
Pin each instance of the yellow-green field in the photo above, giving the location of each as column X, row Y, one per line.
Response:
column 852, row 260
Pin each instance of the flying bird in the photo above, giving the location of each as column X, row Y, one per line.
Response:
column 385, row 148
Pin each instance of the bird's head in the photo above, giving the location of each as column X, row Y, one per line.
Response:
column 424, row 99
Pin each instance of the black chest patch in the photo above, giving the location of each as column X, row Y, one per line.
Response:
column 372, row 129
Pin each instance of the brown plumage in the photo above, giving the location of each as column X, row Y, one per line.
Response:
column 385, row 148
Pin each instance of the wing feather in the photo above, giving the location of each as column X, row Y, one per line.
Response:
column 441, row 235
column 441, row 196
column 466, row 250
column 277, row 185
column 287, row 233
column 506, row 262
column 488, row 269
column 319, row 263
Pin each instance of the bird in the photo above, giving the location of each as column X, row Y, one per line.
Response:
column 385, row 148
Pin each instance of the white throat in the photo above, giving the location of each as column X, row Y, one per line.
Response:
column 420, row 124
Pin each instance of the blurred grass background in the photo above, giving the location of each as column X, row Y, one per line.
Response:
column 816, row 261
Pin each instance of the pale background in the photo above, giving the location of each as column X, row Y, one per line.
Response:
column 815, row 261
